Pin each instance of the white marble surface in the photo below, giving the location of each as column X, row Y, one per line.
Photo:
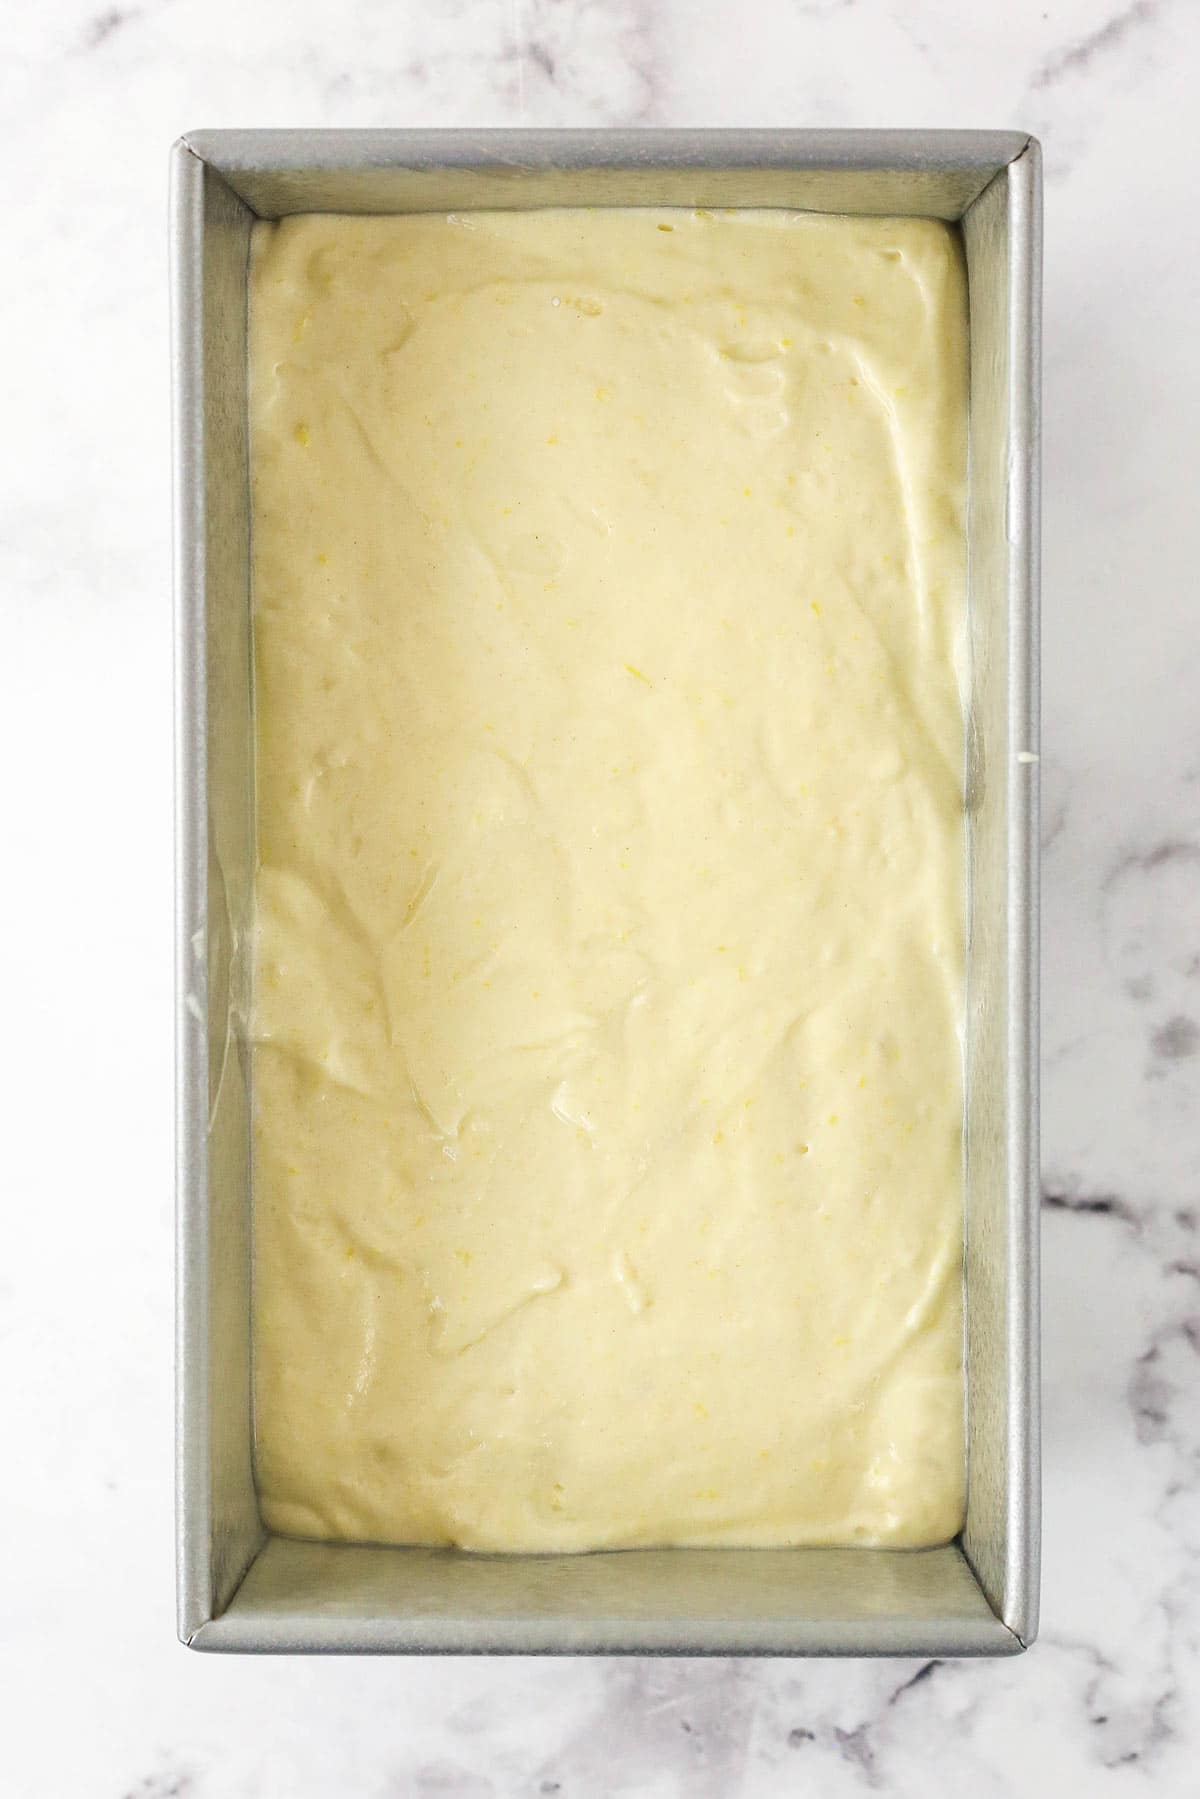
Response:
column 99, row 1699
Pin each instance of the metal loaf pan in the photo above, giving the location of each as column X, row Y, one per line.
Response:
column 243, row 1589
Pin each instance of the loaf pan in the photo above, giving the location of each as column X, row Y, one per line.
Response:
column 241, row 1588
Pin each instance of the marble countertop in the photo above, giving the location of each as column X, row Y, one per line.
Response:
column 100, row 1700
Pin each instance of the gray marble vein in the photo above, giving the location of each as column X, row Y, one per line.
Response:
column 1106, row 38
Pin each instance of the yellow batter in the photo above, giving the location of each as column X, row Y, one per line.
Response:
column 609, row 585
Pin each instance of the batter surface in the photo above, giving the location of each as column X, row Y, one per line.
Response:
column 609, row 585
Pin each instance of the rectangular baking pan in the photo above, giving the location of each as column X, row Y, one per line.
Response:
column 239, row 1588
